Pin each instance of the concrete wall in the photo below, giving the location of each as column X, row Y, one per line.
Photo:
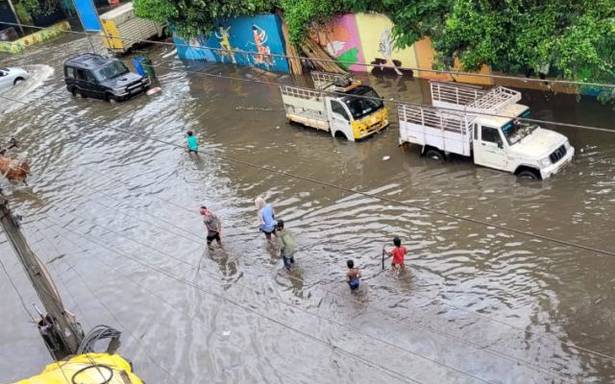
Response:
column 233, row 39
column 356, row 40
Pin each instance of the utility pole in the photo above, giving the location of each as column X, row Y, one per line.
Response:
column 61, row 332
column 16, row 17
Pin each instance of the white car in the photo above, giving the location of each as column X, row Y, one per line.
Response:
column 10, row 77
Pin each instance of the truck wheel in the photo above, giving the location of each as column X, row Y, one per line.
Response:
column 18, row 80
column 110, row 98
column 435, row 154
column 528, row 174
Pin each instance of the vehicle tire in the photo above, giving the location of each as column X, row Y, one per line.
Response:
column 110, row 98
column 18, row 80
column 528, row 174
column 434, row 154
column 78, row 93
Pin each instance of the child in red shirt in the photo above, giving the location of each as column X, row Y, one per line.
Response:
column 398, row 253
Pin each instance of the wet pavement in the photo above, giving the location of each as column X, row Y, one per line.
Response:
column 116, row 217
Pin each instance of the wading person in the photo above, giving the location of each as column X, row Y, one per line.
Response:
column 288, row 245
column 266, row 217
column 192, row 142
column 353, row 275
column 213, row 225
column 398, row 252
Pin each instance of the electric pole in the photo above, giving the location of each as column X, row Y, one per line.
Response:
column 61, row 332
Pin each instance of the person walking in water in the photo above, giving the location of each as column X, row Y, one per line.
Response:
column 353, row 276
column 213, row 225
column 266, row 217
column 398, row 252
column 192, row 142
column 288, row 245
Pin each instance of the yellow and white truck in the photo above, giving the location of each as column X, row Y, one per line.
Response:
column 121, row 29
column 337, row 104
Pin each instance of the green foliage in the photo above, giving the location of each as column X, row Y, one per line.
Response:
column 568, row 38
column 190, row 18
column 37, row 7
column 23, row 15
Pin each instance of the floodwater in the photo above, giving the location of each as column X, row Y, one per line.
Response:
column 115, row 215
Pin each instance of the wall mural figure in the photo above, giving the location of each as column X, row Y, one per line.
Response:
column 224, row 40
column 264, row 52
column 385, row 47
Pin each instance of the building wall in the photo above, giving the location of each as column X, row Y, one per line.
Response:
column 340, row 38
column 366, row 38
column 246, row 40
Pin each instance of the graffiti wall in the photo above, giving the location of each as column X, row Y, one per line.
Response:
column 366, row 38
column 359, row 39
column 340, row 39
column 247, row 40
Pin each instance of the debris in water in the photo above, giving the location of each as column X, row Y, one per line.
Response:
column 249, row 108
column 385, row 158
column 153, row 91
column 226, row 333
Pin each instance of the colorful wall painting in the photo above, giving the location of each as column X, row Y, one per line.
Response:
column 232, row 39
column 376, row 36
column 340, row 39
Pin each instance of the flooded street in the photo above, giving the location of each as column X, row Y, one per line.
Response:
column 116, row 217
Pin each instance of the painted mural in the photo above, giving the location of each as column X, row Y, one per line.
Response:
column 340, row 39
column 375, row 33
column 359, row 39
column 247, row 40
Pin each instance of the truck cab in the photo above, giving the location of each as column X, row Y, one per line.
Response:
column 338, row 104
column 487, row 126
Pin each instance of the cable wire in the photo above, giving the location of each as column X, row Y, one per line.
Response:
column 333, row 61
column 246, row 307
column 475, row 345
column 525, row 233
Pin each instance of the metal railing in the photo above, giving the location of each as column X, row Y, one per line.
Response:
column 433, row 118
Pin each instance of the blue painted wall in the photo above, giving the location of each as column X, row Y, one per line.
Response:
column 88, row 15
column 261, row 35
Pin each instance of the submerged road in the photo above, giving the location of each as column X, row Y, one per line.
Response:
column 115, row 215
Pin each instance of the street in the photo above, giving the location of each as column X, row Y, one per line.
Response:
column 116, row 217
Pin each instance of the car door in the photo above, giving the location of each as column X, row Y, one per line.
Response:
column 96, row 90
column 339, row 119
column 489, row 150
column 5, row 81
column 81, row 83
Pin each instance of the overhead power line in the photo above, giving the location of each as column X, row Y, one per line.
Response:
column 475, row 345
column 503, row 227
column 335, row 61
column 248, row 308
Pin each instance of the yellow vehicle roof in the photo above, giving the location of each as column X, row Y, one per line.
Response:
column 91, row 368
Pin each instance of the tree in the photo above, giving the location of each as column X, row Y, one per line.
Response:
column 190, row 18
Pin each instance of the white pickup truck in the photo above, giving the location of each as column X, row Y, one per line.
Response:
column 337, row 104
column 462, row 121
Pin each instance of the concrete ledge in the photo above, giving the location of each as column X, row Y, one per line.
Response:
column 43, row 35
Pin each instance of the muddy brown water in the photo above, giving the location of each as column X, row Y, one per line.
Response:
column 478, row 304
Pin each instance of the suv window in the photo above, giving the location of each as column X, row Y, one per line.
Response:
column 338, row 108
column 90, row 77
column 70, row 72
column 79, row 74
column 491, row 135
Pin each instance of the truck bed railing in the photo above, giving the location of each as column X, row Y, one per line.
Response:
column 434, row 118
column 302, row 93
column 323, row 80
column 471, row 98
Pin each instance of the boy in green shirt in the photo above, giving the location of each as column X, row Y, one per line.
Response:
column 288, row 245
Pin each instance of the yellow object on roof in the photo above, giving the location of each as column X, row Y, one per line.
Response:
column 91, row 368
